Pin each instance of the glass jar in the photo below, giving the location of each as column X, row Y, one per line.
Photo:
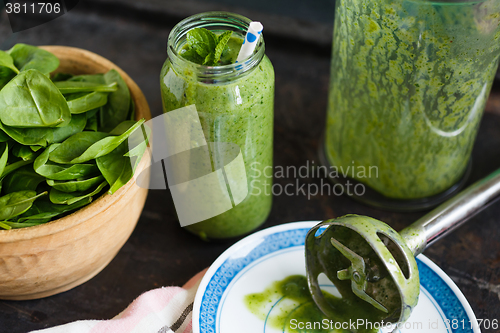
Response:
column 409, row 83
column 235, row 104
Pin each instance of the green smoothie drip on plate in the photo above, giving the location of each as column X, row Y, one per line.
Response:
column 295, row 310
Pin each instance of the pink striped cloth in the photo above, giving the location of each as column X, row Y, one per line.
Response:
column 162, row 310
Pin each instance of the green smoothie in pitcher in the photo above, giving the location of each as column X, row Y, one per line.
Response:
column 235, row 103
column 409, row 82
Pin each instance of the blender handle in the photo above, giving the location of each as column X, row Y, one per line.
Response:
column 452, row 213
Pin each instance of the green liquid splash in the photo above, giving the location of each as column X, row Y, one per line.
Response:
column 287, row 305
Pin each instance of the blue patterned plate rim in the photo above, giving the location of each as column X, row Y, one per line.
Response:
column 220, row 274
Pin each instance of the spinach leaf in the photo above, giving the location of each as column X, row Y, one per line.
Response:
column 43, row 210
column 4, row 137
column 27, row 136
column 91, row 120
column 95, row 78
column 23, row 152
column 123, row 127
column 79, row 185
column 137, row 144
column 7, row 225
column 61, row 172
column 131, row 111
column 75, row 146
column 119, row 166
column 14, row 166
column 4, row 157
column 7, row 69
column 61, row 198
column 31, row 57
column 67, row 136
column 5, row 76
column 23, row 179
column 16, row 203
column 72, row 96
column 67, row 172
column 61, row 77
column 116, row 167
column 118, row 106
column 71, row 87
column 86, row 146
column 46, row 135
column 32, row 100
column 7, row 61
column 87, row 102
column 76, row 125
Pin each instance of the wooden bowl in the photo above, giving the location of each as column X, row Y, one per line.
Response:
column 47, row 259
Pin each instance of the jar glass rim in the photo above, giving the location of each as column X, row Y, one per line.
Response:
column 229, row 20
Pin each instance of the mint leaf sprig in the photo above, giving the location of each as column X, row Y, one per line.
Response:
column 205, row 47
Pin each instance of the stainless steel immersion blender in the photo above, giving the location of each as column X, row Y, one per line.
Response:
column 366, row 259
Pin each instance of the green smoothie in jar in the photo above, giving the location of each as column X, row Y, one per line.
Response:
column 409, row 82
column 235, row 103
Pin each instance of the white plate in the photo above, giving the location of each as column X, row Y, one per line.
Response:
column 252, row 264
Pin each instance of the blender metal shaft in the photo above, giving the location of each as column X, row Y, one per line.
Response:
column 452, row 213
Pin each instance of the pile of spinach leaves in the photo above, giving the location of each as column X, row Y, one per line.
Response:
column 63, row 139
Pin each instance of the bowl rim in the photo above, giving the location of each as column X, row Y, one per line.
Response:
column 105, row 200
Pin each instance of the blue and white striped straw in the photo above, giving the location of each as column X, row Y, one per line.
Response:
column 251, row 39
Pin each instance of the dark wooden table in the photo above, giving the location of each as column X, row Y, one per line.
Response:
column 160, row 253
